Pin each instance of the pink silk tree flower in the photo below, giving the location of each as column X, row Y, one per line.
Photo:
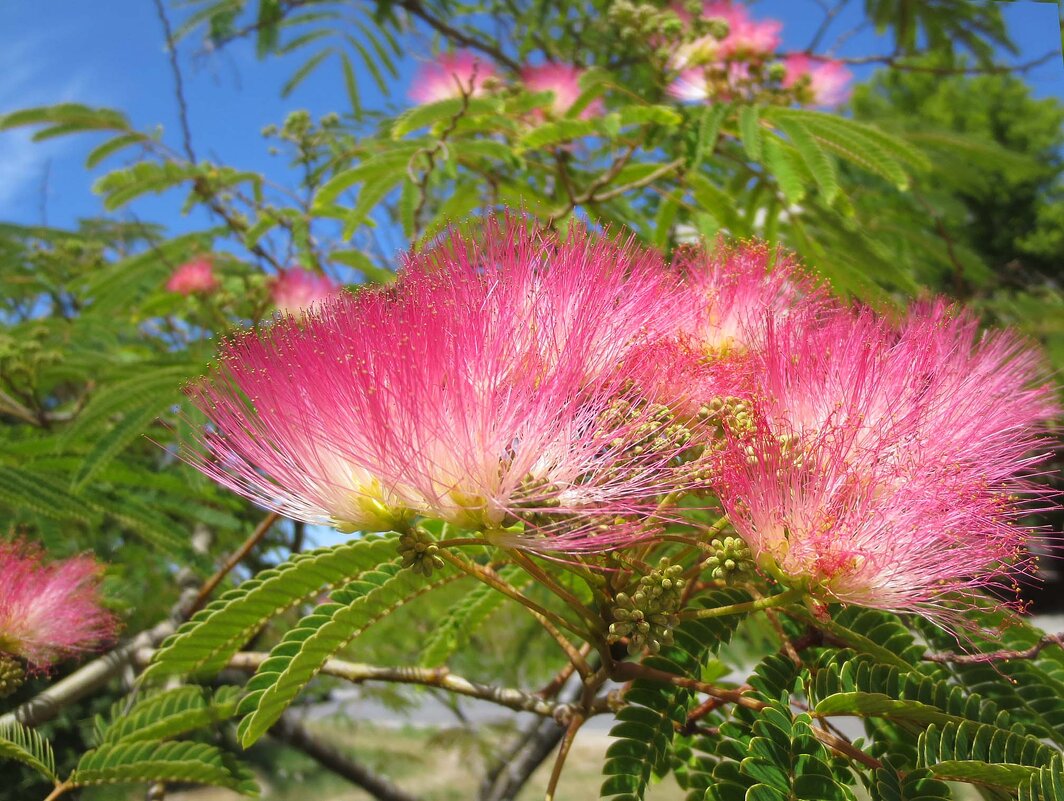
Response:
column 931, row 393
column 451, row 75
column 564, row 81
column 827, row 80
column 737, row 292
column 49, row 611
column 690, row 86
column 193, row 277
column 295, row 290
column 858, row 536
column 747, row 37
column 481, row 389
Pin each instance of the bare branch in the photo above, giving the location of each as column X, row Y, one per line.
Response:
column 458, row 37
column 996, row 656
column 900, row 63
column 234, row 559
column 441, row 678
column 179, row 85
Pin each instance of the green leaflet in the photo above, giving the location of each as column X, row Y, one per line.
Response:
column 846, row 683
column 554, row 133
column 206, row 642
column 430, row 113
column 460, row 624
column 646, row 115
column 750, row 131
column 24, row 745
column 914, row 785
column 167, row 714
column 64, row 118
column 129, row 428
column 381, row 166
column 813, row 155
column 305, row 648
column 153, row 760
column 1046, row 784
column 981, row 753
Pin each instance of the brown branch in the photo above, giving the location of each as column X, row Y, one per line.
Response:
column 458, row 37
column 440, row 678
column 179, row 85
column 843, row 746
column 234, row 559
column 996, row 656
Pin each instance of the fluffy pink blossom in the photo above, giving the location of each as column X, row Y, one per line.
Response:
column 564, row 81
column 737, row 292
column 746, row 37
column 932, row 391
column 49, row 611
column 690, row 86
column 888, row 458
column 482, row 389
column 828, row 79
column 193, row 277
column 451, row 75
column 812, row 520
column 295, row 290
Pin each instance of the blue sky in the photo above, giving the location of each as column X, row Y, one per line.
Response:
column 111, row 54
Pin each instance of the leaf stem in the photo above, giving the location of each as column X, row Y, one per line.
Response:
column 851, row 638
column 783, row 598
column 492, row 579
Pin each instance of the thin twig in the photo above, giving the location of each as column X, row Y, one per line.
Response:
column 900, row 63
column 179, row 85
column 458, row 37
column 234, row 559
column 440, row 678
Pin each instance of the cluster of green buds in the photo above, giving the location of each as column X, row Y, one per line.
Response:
column 729, row 558
column 648, row 616
column 420, row 553
column 732, row 414
column 12, row 674
column 658, row 431
column 638, row 21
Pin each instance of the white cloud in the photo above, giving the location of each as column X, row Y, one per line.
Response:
column 25, row 83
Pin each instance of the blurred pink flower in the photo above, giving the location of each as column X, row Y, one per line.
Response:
column 829, row 80
column 49, row 612
column 746, row 37
column 690, row 86
column 295, row 290
column 487, row 388
column 738, row 292
column 564, row 81
column 451, row 75
column 193, row 277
